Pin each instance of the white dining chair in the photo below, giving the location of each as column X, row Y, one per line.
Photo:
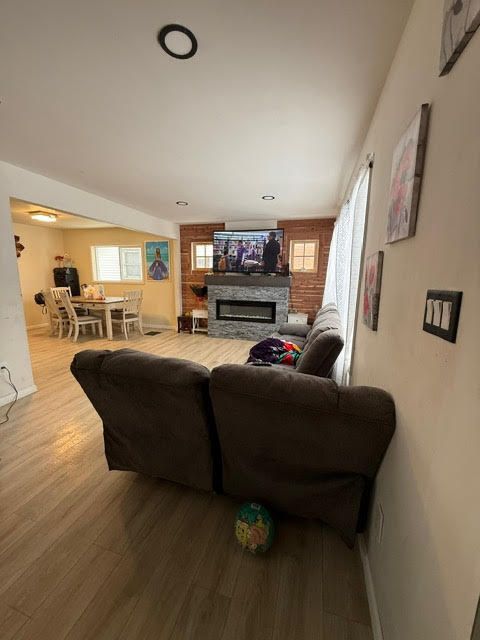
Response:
column 75, row 321
column 58, row 317
column 56, row 291
column 131, row 311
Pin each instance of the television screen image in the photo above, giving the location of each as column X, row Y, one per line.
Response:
column 248, row 251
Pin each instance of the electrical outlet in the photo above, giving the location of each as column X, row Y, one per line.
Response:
column 379, row 519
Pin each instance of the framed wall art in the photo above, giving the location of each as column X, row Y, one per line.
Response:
column 157, row 257
column 371, row 292
column 461, row 18
column 406, row 178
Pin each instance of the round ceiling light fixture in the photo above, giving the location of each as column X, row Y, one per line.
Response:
column 41, row 216
column 181, row 203
column 268, row 197
column 178, row 41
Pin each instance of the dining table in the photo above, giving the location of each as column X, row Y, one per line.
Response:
column 106, row 306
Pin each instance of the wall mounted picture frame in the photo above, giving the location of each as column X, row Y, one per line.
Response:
column 157, row 258
column 406, row 178
column 371, row 291
column 461, row 18
column 442, row 313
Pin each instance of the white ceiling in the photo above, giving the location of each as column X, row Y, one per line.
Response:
column 21, row 214
column 276, row 101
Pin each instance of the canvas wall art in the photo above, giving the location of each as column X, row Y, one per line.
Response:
column 371, row 293
column 461, row 18
column 406, row 178
column 157, row 256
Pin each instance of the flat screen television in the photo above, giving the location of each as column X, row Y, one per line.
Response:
column 256, row 251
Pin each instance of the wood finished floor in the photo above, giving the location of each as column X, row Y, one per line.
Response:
column 88, row 554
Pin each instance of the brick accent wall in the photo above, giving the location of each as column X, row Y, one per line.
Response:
column 193, row 233
column 307, row 288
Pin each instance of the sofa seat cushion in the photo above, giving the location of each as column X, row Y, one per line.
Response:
column 298, row 340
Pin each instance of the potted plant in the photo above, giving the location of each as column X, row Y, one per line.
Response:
column 200, row 292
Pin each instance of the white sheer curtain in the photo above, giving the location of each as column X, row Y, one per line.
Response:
column 341, row 285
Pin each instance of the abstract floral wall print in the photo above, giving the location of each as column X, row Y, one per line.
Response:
column 157, row 256
column 371, row 293
column 461, row 18
column 406, row 180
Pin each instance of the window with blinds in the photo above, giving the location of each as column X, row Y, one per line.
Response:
column 117, row 264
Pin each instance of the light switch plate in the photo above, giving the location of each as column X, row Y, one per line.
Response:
column 442, row 313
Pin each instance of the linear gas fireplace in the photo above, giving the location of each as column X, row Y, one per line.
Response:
column 246, row 311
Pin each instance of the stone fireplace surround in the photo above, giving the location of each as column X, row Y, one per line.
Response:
column 261, row 288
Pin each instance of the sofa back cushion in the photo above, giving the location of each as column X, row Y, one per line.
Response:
column 320, row 353
column 156, row 413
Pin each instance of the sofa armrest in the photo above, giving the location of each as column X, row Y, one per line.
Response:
column 292, row 329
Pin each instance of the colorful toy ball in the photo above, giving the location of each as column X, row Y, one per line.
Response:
column 254, row 528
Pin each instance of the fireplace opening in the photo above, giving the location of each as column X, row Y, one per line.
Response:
column 246, row 311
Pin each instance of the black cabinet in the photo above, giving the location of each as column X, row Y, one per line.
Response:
column 67, row 277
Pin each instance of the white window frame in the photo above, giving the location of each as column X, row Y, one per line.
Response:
column 194, row 256
column 315, row 256
column 119, row 247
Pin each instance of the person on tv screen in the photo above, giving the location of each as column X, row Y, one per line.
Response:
column 240, row 255
column 271, row 252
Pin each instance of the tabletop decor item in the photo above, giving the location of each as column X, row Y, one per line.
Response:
column 254, row 528
column 200, row 292
column 406, row 179
column 461, row 18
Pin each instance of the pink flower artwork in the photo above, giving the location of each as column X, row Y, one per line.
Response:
column 371, row 293
column 405, row 183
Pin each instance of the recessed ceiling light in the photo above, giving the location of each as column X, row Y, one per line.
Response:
column 268, row 197
column 178, row 41
column 182, row 203
column 41, row 216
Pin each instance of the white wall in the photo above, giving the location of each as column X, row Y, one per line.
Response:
column 25, row 185
column 426, row 572
column 13, row 338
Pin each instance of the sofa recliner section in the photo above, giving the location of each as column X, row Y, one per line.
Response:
column 156, row 413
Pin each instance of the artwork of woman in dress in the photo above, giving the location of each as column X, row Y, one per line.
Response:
column 158, row 260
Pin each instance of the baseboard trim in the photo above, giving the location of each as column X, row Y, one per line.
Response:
column 22, row 393
column 165, row 327
column 372, row 600
column 38, row 326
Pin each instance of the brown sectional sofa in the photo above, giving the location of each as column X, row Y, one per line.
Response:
column 296, row 442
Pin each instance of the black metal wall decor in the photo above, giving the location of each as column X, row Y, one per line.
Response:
column 442, row 313
column 163, row 33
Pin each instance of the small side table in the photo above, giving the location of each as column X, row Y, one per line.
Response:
column 184, row 323
column 197, row 315
column 298, row 318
